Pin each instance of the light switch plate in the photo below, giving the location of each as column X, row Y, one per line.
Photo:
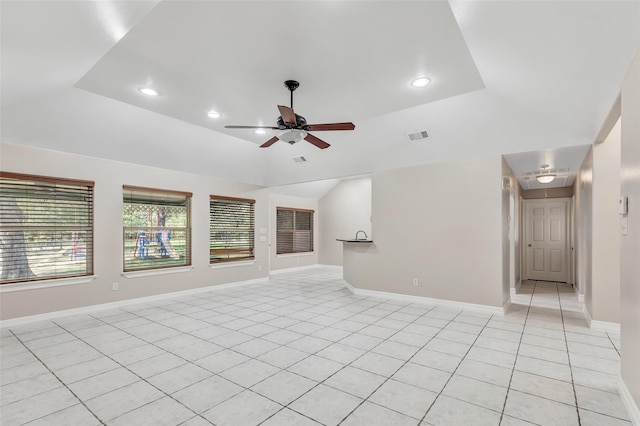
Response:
column 623, row 205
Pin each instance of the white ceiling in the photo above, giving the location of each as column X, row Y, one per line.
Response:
column 507, row 77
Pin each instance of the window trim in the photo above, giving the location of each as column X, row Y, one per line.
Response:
column 235, row 261
column 157, row 270
column 57, row 280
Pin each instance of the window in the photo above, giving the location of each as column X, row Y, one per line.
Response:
column 294, row 230
column 231, row 229
column 156, row 228
column 46, row 228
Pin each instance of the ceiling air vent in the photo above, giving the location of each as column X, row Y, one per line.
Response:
column 418, row 136
column 300, row 159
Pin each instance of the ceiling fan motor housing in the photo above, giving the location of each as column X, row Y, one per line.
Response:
column 301, row 122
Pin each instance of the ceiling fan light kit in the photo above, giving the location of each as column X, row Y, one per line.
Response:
column 295, row 127
column 292, row 136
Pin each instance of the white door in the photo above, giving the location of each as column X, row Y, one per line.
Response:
column 547, row 239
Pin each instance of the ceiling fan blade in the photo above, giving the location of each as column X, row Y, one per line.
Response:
column 331, row 126
column 251, row 127
column 270, row 142
column 287, row 114
column 316, row 141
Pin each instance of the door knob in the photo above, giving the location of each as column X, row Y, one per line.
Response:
column 529, row 245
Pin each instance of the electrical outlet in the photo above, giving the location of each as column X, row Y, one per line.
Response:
column 421, row 282
column 259, row 267
column 114, row 287
column 415, row 282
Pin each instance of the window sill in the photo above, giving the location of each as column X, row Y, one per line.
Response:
column 54, row 282
column 231, row 264
column 153, row 272
column 306, row 253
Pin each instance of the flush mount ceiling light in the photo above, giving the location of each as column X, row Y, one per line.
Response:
column 260, row 131
column 148, row 91
column 213, row 114
column 545, row 178
column 420, row 82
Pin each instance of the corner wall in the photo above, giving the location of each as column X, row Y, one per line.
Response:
column 510, row 230
column 605, row 277
column 344, row 210
column 630, row 244
column 583, row 190
column 440, row 223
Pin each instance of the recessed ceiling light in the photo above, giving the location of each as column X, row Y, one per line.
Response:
column 260, row 131
column 420, row 82
column 148, row 91
column 213, row 114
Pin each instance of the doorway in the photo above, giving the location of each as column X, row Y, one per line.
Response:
column 546, row 239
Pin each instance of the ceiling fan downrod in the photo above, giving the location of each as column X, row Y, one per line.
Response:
column 291, row 85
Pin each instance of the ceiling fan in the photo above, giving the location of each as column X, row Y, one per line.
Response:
column 295, row 127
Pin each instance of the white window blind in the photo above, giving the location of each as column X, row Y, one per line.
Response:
column 231, row 229
column 294, row 230
column 46, row 228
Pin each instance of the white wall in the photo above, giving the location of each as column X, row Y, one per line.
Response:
column 605, row 276
column 343, row 211
column 286, row 261
column 109, row 176
column 583, row 190
column 630, row 244
column 441, row 223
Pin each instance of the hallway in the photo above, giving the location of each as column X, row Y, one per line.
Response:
column 300, row 350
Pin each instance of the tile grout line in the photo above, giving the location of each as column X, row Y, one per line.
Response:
column 515, row 360
column 566, row 342
column 456, row 369
column 366, row 352
column 57, row 378
column 319, row 301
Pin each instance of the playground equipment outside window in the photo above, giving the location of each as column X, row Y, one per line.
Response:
column 156, row 228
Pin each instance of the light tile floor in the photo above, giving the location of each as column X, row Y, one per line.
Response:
column 301, row 350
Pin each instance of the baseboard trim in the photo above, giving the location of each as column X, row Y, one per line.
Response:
column 506, row 306
column 587, row 315
column 427, row 300
column 515, row 290
column 112, row 305
column 609, row 327
column 629, row 403
column 296, row 269
column 336, row 267
column 349, row 287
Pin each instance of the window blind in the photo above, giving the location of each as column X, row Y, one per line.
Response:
column 156, row 228
column 294, row 230
column 46, row 228
column 231, row 229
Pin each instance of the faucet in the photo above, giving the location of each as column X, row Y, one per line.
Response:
column 365, row 235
